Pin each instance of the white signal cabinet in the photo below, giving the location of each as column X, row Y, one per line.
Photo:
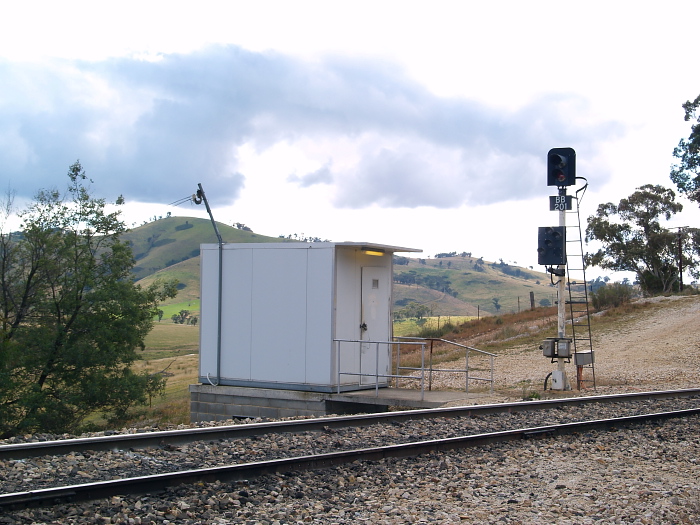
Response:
column 282, row 306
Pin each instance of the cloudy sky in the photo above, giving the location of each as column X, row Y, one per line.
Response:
column 418, row 124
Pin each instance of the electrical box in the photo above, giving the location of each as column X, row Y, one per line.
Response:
column 584, row 358
column 548, row 348
column 556, row 347
column 564, row 348
column 558, row 380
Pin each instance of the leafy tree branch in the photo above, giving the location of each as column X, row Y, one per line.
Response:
column 72, row 318
column 686, row 173
column 633, row 239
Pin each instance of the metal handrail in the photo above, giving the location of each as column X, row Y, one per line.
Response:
column 406, row 340
column 376, row 374
column 412, row 341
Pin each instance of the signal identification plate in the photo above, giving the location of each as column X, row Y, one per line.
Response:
column 560, row 203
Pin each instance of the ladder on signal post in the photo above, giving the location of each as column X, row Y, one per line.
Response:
column 579, row 310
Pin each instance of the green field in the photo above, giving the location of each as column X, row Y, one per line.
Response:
column 170, row 309
column 170, row 339
column 413, row 327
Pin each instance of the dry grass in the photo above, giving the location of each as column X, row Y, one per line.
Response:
column 168, row 339
column 496, row 334
column 174, row 407
column 490, row 334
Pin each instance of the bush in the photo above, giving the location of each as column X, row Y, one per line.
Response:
column 436, row 333
column 611, row 295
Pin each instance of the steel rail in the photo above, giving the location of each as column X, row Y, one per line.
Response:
column 184, row 436
column 246, row 471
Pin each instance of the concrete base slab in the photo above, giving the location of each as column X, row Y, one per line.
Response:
column 405, row 397
column 216, row 403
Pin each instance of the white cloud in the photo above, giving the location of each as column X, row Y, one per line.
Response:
column 348, row 117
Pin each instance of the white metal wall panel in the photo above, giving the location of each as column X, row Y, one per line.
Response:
column 319, row 315
column 208, row 311
column 347, row 299
column 237, row 315
column 279, row 315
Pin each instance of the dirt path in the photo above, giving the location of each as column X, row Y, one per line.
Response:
column 654, row 349
column 660, row 347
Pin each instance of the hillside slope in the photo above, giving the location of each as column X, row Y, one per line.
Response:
column 652, row 347
column 166, row 242
column 457, row 285
column 187, row 274
column 478, row 283
column 440, row 303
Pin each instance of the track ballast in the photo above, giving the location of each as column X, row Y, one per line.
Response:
column 338, row 441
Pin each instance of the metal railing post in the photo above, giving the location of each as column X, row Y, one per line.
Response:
column 466, row 367
column 376, row 369
column 422, row 371
column 337, row 362
column 465, row 371
column 430, row 373
column 398, row 361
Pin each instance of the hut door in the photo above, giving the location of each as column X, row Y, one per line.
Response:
column 375, row 323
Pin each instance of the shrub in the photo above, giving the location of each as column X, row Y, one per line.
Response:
column 611, row 295
column 437, row 333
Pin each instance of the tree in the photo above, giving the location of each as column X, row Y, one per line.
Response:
column 686, row 174
column 184, row 317
column 412, row 309
column 181, row 318
column 71, row 316
column 634, row 240
column 599, row 282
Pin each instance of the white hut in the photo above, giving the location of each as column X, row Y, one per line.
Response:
column 284, row 306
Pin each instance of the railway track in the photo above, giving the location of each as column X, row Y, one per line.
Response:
column 252, row 469
column 179, row 437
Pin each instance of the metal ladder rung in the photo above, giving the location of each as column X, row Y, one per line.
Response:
column 576, row 297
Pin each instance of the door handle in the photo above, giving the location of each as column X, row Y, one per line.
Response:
column 363, row 327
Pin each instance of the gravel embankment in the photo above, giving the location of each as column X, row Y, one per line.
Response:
column 515, row 482
column 646, row 475
column 49, row 471
column 651, row 349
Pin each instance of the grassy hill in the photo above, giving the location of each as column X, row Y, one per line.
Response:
column 440, row 303
column 461, row 284
column 169, row 248
column 163, row 243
